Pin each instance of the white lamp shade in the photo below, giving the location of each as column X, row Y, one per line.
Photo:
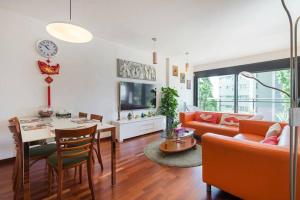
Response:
column 69, row 32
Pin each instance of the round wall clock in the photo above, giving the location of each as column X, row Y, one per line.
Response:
column 46, row 48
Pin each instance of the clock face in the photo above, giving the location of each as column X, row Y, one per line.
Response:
column 47, row 48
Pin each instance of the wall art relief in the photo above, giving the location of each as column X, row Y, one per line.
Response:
column 129, row 69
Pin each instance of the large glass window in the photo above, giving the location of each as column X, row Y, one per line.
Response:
column 216, row 93
column 255, row 98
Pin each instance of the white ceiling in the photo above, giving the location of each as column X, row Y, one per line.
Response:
column 211, row 30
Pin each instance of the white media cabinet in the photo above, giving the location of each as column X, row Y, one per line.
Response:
column 135, row 127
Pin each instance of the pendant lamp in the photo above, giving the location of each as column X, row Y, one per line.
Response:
column 154, row 53
column 68, row 31
column 187, row 65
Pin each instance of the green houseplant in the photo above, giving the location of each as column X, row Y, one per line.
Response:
column 168, row 105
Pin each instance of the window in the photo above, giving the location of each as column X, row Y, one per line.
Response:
column 256, row 98
column 216, row 93
column 224, row 90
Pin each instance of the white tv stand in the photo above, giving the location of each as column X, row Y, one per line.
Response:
column 135, row 127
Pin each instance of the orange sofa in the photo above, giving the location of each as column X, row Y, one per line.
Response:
column 246, row 168
column 187, row 119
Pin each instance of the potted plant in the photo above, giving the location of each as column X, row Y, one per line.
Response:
column 168, row 105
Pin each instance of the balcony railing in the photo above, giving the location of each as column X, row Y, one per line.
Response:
column 280, row 105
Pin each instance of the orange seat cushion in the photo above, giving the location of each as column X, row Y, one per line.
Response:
column 251, row 137
column 203, row 127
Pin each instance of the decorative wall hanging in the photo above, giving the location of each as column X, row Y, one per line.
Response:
column 182, row 77
column 47, row 49
column 175, row 70
column 154, row 53
column 129, row 69
column 188, row 84
column 48, row 69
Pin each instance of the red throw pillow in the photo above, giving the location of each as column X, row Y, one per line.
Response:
column 232, row 119
column 273, row 140
column 206, row 117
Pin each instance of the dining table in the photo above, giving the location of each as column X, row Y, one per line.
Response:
column 41, row 129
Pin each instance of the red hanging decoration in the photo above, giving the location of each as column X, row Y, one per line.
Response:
column 49, row 96
column 48, row 69
column 48, row 79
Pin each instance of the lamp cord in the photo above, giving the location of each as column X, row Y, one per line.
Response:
column 287, row 94
column 154, row 43
column 70, row 10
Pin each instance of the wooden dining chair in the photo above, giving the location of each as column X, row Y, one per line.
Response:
column 12, row 129
column 82, row 115
column 36, row 153
column 97, row 117
column 98, row 152
column 74, row 148
column 17, row 171
column 96, row 149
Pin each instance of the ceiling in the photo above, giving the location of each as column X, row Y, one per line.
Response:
column 210, row 30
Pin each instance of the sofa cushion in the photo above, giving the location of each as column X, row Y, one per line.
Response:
column 203, row 127
column 274, row 130
column 273, row 140
column 257, row 127
column 208, row 117
column 232, row 119
column 284, row 139
column 250, row 137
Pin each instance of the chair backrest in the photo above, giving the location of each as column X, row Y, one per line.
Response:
column 82, row 115
column 15, row 129
column 14, row 121
column 97, row 117
column 72, row 143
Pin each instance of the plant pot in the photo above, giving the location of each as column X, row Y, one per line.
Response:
column 170, row 121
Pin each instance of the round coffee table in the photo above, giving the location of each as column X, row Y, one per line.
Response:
column 178, row 142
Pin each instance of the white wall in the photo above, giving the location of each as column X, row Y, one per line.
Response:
column 185, row 95
column 87, row 81
column 243, row 60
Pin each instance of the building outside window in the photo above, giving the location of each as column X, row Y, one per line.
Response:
column 258, row 99
column 216, row 93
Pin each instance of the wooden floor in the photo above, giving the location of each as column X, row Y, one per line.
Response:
column 137, row 178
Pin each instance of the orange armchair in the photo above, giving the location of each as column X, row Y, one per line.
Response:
column 247, row 169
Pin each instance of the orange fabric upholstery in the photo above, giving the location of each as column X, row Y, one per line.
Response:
column 203, row 127
column 250, row 137
column 187, row 119
column 186, row 116
column 257, row 127
column 246, row 168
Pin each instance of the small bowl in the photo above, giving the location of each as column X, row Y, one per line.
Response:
column 45, row 113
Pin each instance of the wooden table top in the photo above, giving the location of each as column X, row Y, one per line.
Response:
column 34, row 128
column 173, row 145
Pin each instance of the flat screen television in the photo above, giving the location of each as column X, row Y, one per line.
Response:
column 137, row 96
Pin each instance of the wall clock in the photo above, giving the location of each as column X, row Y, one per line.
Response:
column 46, row 48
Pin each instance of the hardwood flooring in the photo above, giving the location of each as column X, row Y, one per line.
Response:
column 138, row 178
